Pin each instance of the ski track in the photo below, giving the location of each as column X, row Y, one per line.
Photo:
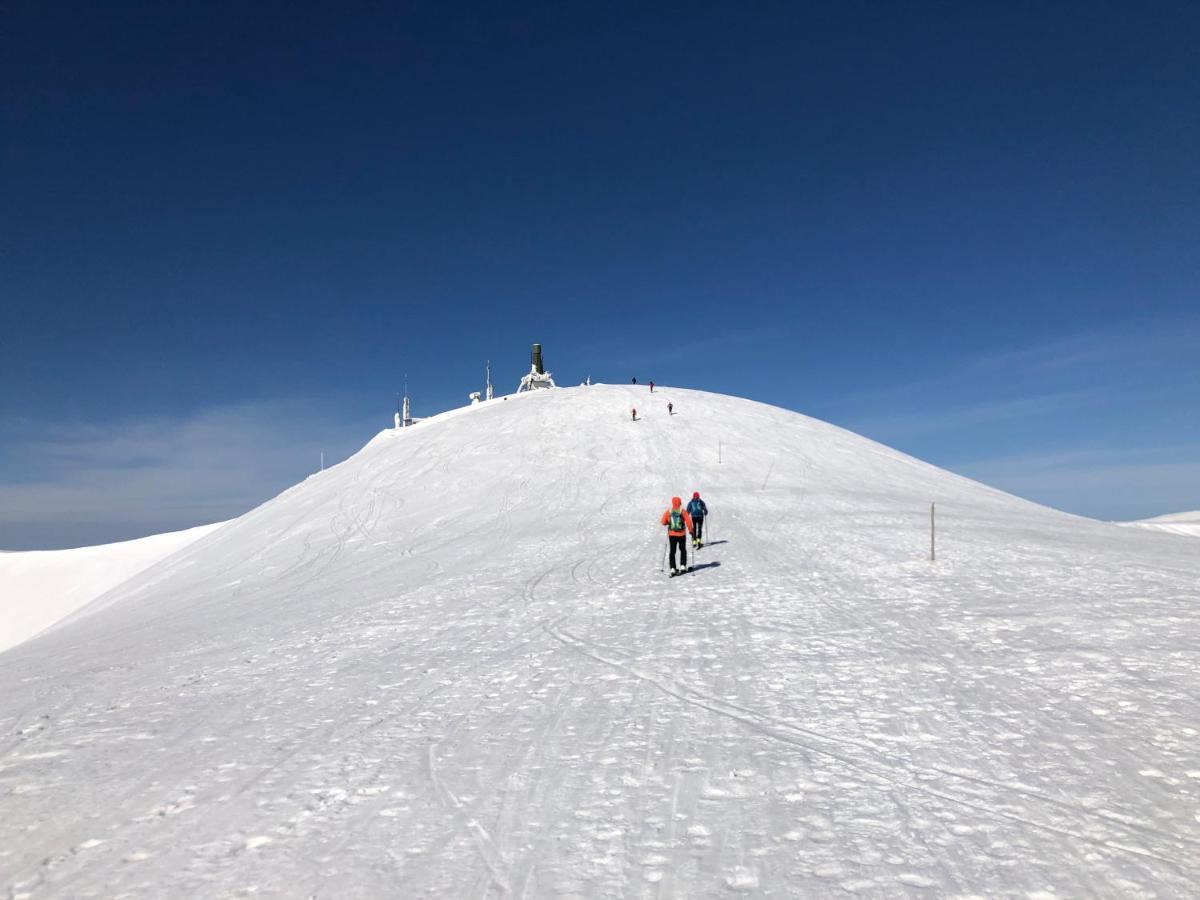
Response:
column 452, row 666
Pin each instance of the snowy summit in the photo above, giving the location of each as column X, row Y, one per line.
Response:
column 452, row 666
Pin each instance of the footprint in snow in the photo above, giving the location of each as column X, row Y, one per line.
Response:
column 742, row 878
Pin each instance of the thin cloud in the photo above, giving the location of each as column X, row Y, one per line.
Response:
column 1097, row 348
column 1085, row 356
column 1121, row 484
column 935, row 420
column 94, row 483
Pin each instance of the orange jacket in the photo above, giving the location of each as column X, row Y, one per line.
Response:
column 687, row 523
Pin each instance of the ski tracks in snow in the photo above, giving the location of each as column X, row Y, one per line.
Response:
column 885, row 768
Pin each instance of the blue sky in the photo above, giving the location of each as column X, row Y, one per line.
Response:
column 968, row 231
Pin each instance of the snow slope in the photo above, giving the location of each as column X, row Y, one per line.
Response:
column 40, row 587
column 1187, row 523
column 451, row 667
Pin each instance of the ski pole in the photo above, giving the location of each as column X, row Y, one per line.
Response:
column 662, row 567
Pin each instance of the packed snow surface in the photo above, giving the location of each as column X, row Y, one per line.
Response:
column 40, row 587
column 451, row 666
column 1187, row 523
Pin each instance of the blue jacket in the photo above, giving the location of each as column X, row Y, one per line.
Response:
column 697, row 509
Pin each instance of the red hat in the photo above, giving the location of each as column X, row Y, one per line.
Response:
column 695, row 495
column 676, row 502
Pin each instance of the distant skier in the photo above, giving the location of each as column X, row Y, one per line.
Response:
column 652, row 387
column 635, row 380
column 670, row 409
column 697, row 509
column 679, row 525
column 634, row 411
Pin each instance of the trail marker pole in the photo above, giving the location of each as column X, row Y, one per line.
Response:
column 932, row 535
column 322, row 460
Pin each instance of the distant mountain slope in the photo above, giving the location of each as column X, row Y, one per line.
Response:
column 451, row 667
column 41, row 587
column 1187, row 523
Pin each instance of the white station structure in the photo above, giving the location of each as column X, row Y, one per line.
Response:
column 538, row 377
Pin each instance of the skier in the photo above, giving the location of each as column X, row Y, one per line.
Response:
column 635, row 380
column 652, row 387
column 678, row 524
column 697, row 509
column 670, row 409
column 634, row 414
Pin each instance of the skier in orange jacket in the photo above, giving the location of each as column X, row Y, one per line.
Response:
column 679, row 526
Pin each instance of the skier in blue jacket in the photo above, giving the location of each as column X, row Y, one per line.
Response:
column 697, row 510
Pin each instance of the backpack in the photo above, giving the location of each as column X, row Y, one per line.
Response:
column 675, row 520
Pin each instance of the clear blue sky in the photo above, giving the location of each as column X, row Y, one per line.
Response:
column 971, row 231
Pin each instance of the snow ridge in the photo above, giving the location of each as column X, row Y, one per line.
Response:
column 1186, row 523
column 41, row 587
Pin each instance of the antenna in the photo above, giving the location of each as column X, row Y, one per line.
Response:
column 488, row 394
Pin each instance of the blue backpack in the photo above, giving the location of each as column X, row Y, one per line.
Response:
column 675, row 520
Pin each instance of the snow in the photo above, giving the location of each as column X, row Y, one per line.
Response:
column 1187, row 523
column 41, row 587
column 450, row 666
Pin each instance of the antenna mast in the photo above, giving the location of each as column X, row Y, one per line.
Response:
column 488, row 394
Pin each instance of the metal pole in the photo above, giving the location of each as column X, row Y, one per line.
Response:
column 932, row 533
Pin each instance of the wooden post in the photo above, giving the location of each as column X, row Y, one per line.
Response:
column 932, row 533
